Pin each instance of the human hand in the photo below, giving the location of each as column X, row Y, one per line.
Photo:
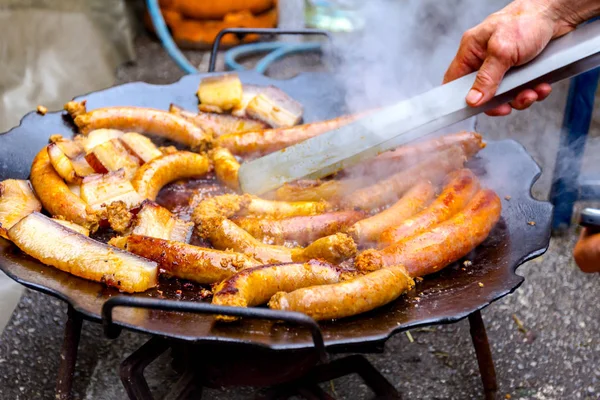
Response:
column 510, row 37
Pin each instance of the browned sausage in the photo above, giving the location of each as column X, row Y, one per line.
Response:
column 189, row 262
column 55, row 195
column 261, row 142
column 405, row 156
column 346, row 298
column 333, row 248
column 152, row 176
column 255, row 286
column 461, row 188
column 226, row 167
column 144, row 120
column 447, row 242
column 368, row 230
column 303, row 229
column 229, row 205
column 307, row 190
column 391, row 189
column 225, row 235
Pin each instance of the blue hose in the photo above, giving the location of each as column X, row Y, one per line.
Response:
column 278, row 50
column 160, row 27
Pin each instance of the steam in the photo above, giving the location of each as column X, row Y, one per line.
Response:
column 404, row 48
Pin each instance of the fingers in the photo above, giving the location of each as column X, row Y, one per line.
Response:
column 524, row 100
column 500, row 111
column 470, row 54
column 543, row 90
column 488, row 78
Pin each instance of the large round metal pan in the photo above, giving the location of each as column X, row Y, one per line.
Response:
column 454, row 293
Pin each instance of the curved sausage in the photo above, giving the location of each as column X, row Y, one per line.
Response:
column 226, row 167
column 461, row 188
column 368, row 230
column 333, row 248
column 189, row 262
column 390, row 189
column 138, row 119
column 404, row 156
column 447, row 242
column 226, row 235
column 303, row 229
column 223, row 234
column 55, row 195
column 347, row 298
column 255, row 286
column 152, row 176
column 265, row 141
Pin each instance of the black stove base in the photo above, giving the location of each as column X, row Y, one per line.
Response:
column 297, row 373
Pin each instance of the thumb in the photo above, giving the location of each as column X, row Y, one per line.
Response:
column 487, row 81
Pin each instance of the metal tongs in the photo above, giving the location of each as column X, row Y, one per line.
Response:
column 388, row 128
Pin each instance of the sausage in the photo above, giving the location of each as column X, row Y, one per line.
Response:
column 461, row 188
column 55, row 195
column 283, row 209
column 226, row 167
column 347, row 298
column 303, row 229
column 226, row 235
column 228, row 205
column 223, row 234
column 404, row 156
column 225, row 205
column 390, row 189
column 333, row 248
column 152, row 176
column 368, row 230
column 445, row 243
column 307, row 190
column 255, row 286
column 138, row 119
column 265, row 141
column 185, row 261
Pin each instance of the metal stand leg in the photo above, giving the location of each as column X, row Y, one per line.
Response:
column 356, row 364
column 308, row 388
column 484, row 355
column 132, row 369
column 185, row 388
column 68, row 355
column 575, row 127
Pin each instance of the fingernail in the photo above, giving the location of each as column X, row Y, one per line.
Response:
column 474, row 96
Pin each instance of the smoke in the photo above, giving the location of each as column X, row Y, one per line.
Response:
column 403, row 49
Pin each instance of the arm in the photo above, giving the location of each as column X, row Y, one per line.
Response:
column 511, row 37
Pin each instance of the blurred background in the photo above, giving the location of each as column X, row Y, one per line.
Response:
column 53, row 50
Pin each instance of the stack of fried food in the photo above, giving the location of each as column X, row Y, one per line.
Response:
column 195, row 23
column 329, row 248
